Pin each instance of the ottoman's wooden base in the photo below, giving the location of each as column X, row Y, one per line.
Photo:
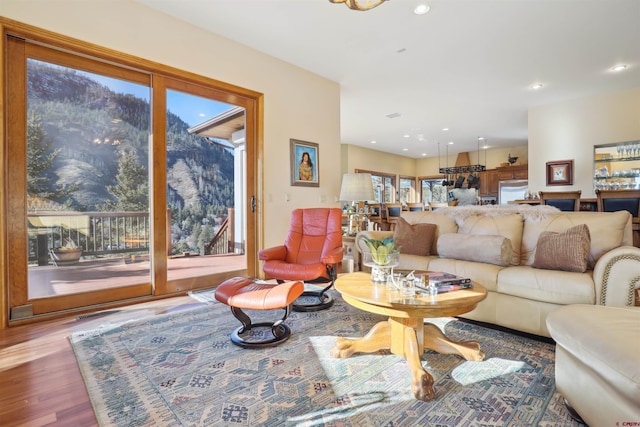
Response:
column 242, row 293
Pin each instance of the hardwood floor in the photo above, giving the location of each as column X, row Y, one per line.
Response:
column 39, row 378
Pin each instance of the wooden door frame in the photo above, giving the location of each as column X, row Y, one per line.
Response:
column 251, row 100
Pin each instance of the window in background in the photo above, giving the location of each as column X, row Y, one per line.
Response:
column 407, row 190
column 384, row 186
column 433, row 190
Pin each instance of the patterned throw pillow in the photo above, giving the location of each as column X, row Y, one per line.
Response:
column 568, row 251
column 414, row 239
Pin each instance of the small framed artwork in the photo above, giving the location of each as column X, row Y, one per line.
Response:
column 305, row 159
column 560, row 172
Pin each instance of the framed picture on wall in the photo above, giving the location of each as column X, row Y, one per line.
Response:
column 305, row 160
column 560, row 172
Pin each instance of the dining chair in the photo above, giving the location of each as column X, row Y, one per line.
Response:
column 415, row 207
column 394, row 210
column 437, row 205
column 564, row 200
column 622, row 200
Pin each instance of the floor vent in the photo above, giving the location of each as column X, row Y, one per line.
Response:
column 96, row 314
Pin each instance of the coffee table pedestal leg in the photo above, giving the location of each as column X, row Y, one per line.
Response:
column 399, row 335
column 377, row 338
column 408, row 337
column 435, row 339
column 412, row 349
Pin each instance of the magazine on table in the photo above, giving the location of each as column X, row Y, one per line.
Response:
column 442, row 288
column 446, row 282
column 440, row 279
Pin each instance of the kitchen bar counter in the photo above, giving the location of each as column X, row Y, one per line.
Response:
column 586, row 204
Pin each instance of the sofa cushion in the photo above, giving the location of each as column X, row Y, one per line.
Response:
column 414, row 239
column 568, row 251
column 443, row 223
column 479, row 248
column 608, row 230
column 413, row 262
column 509, row 226
column 550, row 286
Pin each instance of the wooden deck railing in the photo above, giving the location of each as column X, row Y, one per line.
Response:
column 96, row 233
column 223, row 241
column 106, row 233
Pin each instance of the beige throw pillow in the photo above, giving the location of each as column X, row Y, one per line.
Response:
column 509, row 226
column 567, row 251
column 489, row 249
column 414, row 239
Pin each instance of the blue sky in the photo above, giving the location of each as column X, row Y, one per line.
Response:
column 194, row 109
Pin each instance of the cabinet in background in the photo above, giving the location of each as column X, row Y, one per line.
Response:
column 513, row 172
column 488, row 183
column 617, row 166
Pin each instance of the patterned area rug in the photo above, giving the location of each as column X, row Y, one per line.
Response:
column 181, row 369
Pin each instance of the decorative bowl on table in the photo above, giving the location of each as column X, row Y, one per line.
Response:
column 382, row 258
column 381, row 268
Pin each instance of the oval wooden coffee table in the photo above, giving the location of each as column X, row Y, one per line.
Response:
column 405, row 332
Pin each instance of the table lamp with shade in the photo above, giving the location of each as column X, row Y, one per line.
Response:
column 356, row 187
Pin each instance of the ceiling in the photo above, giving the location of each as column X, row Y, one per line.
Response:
column 467, row 65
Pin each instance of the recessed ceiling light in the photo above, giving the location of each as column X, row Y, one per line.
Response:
column 484, row 147
column 373, row 142
column 536, row 86
column 405, row 149
column 424, row 154
column 406, row 136
column 445, row 129
column 450, row 142
column 619, row 68
column 481, row 138
column 421, row 9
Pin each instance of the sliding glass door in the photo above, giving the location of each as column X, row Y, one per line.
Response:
column 206, row 185
column 123, row 183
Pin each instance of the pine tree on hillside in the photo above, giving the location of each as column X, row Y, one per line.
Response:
column 40, row 158
column 132, row 190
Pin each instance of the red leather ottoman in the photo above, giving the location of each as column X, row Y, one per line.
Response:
column 242, row 293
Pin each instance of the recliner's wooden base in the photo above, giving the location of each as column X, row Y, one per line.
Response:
column 324, row 301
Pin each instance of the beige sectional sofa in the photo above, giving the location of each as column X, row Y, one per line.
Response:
column 497, row 246
column 597, row 367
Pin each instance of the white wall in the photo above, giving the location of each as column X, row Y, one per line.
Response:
column 570, row 129
column 356, row 157
column 297, row 104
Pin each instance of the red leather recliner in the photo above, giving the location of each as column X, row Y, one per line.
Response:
column 310, row 252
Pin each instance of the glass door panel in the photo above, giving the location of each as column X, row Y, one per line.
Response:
column 206, row 186
column 87, row 192
column 78, row 198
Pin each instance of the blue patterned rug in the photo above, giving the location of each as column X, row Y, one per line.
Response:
column 181, row 369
